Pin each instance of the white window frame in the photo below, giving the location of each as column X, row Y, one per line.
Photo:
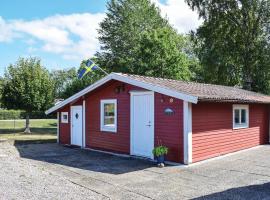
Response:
column 63, row 120
column 108, row 128
column 241, row 125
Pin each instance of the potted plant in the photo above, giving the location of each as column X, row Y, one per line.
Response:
column 159, row 152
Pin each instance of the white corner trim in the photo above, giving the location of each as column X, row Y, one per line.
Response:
column 187, row 123
column 84, row 125
column 58, row 119
column 128, row 80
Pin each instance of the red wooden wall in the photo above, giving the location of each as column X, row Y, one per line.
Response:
column 64, row 128
column 168, row 129
column 213, row 134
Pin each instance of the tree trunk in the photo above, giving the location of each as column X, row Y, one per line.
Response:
column 27, row 124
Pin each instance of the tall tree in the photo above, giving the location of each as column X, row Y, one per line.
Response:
column 233, row 42
column 136, row 39
column 27, row 86
column 75, row 85
column 61, row 79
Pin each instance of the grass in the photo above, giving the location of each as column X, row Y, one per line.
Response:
column 42, row 130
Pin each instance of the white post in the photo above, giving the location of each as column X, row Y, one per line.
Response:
column 187, row 122
column 269, row 123
column 84, row 124
column 58, row 118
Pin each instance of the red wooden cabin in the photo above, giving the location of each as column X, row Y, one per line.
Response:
column 132, row 114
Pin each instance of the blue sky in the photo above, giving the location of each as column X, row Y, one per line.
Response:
column 63, row 32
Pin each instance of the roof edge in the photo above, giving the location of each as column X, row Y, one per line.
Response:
column 128, row 80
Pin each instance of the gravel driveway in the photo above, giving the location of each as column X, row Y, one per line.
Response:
column 50, row 171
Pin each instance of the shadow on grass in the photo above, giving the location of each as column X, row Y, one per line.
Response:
column 82, row 159
column 252, row 192
column 33, row 130
column 53, row 124
column 33, row 141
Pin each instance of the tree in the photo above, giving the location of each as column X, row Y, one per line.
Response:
column 136, row 39
column 233, row 42
column 75, row 85
column 27, row 86
column 61, row 79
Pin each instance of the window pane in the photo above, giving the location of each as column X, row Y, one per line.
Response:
column 65, row 117
column 109, row 113
column 236, row 116
column 109, row 120
column 243, row 116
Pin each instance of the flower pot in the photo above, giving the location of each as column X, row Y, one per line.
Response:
column 160, row 159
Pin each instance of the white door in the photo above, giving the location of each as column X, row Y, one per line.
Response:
column 142, row 124
column 76, row 125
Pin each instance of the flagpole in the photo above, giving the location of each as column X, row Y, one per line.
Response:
column 102, row 70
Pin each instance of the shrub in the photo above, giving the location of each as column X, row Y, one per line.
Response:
column 160, row 150
column 20, row 114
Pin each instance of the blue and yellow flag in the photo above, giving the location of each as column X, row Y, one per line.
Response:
column 87, row 67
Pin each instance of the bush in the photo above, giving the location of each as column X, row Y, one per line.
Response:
column 20, row 114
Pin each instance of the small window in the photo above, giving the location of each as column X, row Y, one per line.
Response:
column 108, row 115
column 240, row 116
column 64, row 117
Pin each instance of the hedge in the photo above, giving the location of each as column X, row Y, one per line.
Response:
column 20, row 114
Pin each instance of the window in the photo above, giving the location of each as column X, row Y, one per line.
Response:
column 64, row 117
column 240, row 116
column 108, row 115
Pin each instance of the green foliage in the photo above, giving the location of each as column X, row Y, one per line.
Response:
column 160, row 150
column 21, row 114
column 75, row 85
column 62, row 78
column 27, row 86
column 233, row 42
column 136, row 39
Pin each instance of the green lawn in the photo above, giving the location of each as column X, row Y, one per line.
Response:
column 41, row 130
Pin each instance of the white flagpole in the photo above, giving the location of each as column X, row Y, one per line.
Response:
column 102, row 70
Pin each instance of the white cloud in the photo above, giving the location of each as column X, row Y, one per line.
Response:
column 72, row 36
column 179, row 14
column 5, row 31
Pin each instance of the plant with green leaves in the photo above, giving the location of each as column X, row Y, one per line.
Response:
column 233, row 42
column 160, row 151
column 136, row 39
column 27, row 86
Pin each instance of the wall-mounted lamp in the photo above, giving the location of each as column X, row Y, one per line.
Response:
column 168, row 111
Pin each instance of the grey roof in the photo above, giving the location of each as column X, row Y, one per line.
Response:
column 205, row 92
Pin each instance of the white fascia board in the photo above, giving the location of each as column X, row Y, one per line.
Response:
column 79, row 94
column 119, row 77
column 155, row 88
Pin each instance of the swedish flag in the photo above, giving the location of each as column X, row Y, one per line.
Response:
column 87, row 67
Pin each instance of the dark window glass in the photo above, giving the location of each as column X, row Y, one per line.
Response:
column 236, row 116
column 243, row 116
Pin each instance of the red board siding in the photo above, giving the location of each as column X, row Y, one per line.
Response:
column 64, row 128
column 168, row 129
column 212, row 133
